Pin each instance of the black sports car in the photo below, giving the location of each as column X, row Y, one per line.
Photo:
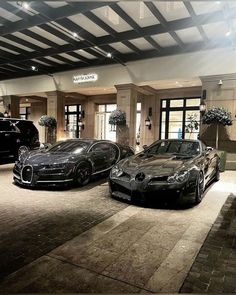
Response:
column 70, row 161
column 167, row 170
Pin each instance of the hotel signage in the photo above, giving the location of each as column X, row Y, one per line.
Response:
column 85, row 78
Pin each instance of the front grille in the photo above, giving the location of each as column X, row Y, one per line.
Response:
column 27, row 174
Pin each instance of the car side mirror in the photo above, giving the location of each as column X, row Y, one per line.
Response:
column 145, row 147
column 208, row 150
column 45, row 146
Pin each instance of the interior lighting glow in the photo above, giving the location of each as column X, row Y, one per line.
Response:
column 109, row 55
column 228, row 34
column 75, row 35
column 33, row 68
column 25, row 5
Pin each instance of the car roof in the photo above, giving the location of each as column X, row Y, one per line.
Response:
column 15, row 120
column 88, row 140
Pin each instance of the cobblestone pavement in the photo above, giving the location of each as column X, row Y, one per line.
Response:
column 83, row 241
column 214, row 270
column 33, row 222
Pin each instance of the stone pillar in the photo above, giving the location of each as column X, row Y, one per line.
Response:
column 11, row 104
column 88, row 106
column 127, row 102
column 220, row 95
column 56, row 109
column 38, row 109
column 149, row 103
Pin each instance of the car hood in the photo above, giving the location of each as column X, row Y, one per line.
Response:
column 47, row 158
column 155, row 164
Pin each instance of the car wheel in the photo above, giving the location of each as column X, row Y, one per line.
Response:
column 217, row 174
column 83, row 174
column 199, row 188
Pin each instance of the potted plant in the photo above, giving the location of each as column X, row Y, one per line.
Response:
column 192, row 125
column 217, row 116
column 51, row 124
column 1, row 115
column 117, row 117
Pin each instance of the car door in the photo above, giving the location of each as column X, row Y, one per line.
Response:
column 9, row 138
column 209, row 162
column 99, row 154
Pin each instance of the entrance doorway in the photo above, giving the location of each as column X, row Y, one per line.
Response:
column 176, row 115
column 72, row 115
column 103, row 128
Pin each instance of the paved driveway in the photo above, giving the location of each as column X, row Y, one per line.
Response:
column 83, row 241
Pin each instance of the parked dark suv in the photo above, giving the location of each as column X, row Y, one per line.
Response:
column 16, row 134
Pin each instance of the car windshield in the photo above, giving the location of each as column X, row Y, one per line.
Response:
column 75, row 147
column 178, row 147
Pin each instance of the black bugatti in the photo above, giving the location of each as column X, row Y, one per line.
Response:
column 168, row 170
column 69, row 161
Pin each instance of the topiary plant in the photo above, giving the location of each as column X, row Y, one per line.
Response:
column 48, row 121
column 1, row 115
column 117, row 117
column 51, row 124
column 217, row 116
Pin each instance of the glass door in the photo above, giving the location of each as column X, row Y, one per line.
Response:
column 103, row 128
column 72, row 115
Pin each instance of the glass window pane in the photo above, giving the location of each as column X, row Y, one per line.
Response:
column 192, row 114
column 111, row 107
column 176, row 103
column 190, row 102
column 101, row 108
column 176, row 116
column 162, row 135
column 73, row 108
column 138, row 106
column 175, row 127
column 164, row 104
column 22, row 111
column 174, row 135
column 163, row 116
column 163, row 127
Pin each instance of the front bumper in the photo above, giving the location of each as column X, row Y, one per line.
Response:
column 29, row 176
column 131, row 190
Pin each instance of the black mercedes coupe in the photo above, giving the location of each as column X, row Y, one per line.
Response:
column 66, row 162
column 168, row 170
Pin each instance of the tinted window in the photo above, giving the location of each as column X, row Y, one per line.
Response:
column 109, row 149
column 26, row 127
column 75, row 147
column 6, row 126
column 175, row 147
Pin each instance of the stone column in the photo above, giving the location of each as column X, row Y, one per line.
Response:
column 56, row 109
column 127, row 102
column 150, row 103
column 11, row 104
column 38, row 109
column 220, row 92
column 88, row 106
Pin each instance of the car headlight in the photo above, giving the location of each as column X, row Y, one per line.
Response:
column 180, row 176
column 116, row 171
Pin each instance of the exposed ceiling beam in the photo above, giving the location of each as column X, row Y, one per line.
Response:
column 133, row 24
column 124, row 36
column 52, row 14
column 163, row 22
column 191, row 11
column 192, row 47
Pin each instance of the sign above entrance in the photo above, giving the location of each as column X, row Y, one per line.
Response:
column 85, row 78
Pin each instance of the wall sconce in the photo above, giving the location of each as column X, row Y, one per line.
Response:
column 81, row 114
column 81, row 125
column 148, row 123
column 202, row 107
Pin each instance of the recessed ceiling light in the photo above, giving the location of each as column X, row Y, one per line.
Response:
column 228, row 34
column 109, row 55
column 75, row 34
column 25, row 5
column 34, row 68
